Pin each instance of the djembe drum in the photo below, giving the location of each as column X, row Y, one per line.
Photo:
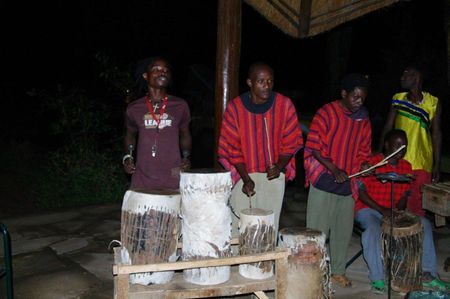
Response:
column 256, row 235
column 308, row 268
column 149, row 231
column 406, row 256
column 206, row 224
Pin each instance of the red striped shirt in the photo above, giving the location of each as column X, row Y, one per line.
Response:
column 381, row 192
column 244, row 138
column 339, row 136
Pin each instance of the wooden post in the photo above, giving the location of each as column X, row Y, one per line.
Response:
column 281, row 266
column 121, row 286
column 305, row 18
column 447, row 30
column 229, row 14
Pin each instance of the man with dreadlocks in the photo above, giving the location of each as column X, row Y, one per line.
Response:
column 159, row 124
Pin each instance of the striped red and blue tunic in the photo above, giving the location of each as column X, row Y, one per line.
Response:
column 340, row 136
column 258, row 138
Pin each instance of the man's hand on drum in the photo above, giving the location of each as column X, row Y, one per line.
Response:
column 128, row 165
column 436, row 174
column 387, row 212
column 185, row 164
column 249, row 187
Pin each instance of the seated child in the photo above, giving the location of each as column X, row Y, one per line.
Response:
column 374, row 203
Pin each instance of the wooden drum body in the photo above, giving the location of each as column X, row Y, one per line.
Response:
column 256, row 235
column 406, row 259
column 149, row 231
column 308, row 269
column 206, row 224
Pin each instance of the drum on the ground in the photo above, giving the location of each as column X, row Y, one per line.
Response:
column 308, row 267
column 256, row 235
column 206, row 224
column 406, row 257
column 149, row 231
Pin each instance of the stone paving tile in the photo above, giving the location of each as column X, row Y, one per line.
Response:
column 66, row 284
column 35, row 263
column 99, row 264
column 69, row 245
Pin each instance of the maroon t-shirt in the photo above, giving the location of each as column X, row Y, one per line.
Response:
column 161, row 171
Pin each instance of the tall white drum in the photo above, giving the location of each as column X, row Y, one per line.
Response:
column 150, row 228
column 206, row 223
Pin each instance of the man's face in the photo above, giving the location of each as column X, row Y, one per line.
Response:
column 261, row 84
column 354, row 99
column 395, row 144
column 158, row 74
column 409, row 78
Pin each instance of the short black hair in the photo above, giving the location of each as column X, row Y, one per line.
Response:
column 143, row 65
column 418, row 67
column 353, row 80
column 256, row 65
column 395, row 133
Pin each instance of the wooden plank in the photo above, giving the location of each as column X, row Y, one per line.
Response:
column 212, row 262
column 261, row 295
column 179, row 288
column 121, row 286
column 281, row 273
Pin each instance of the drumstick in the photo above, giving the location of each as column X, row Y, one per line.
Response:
column 268, row 141
column 381, row 163
column 250, row 201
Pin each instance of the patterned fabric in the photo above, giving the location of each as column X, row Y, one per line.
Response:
column 416, row 120
column 381, row 192
column 244, row 137
column 422, row 177
column 340, row 136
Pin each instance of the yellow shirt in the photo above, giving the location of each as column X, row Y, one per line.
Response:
column 416, row 120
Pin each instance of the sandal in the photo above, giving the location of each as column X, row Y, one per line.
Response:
column 378, row 287
column 341, row 280
column 436, row 285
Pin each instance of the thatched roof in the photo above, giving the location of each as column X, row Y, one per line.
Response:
column 303, row 18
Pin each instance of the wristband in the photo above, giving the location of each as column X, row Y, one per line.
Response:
column 186, row 154
column 126, row 157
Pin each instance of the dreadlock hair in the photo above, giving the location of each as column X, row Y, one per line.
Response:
column 140, row 84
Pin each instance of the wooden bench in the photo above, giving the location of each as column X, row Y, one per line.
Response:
column 179, row 288
column 436, row 198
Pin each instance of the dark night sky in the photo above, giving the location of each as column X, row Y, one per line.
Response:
column 50, row 42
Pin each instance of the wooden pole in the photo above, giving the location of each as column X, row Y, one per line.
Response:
column 447, row 30
column 229, row 15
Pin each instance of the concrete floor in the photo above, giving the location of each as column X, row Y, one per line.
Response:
column 65, row 254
